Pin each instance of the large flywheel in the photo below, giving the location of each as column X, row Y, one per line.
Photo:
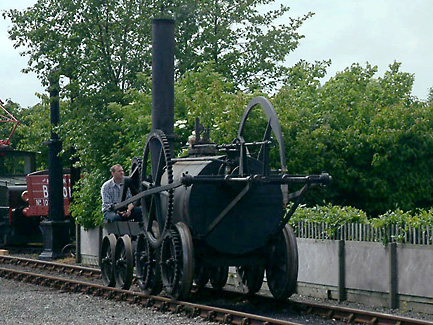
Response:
column 282, row 267
column 177, row 261
column 157, row 208
column 272, row 129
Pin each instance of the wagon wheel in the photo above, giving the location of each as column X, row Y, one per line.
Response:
column 250, row 278
column 219, row 276
column 147, row 267
column 273, row 124
column 201, row 276
column 177, row 262
column 106, row 260
column 124, row 262
column 282, row 268
column 156, row 166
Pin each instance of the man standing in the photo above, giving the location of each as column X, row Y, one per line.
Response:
column 110, row 193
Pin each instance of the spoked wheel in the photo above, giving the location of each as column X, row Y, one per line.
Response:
column 156, row 169
column 273, row 126
column 124, row 263
column 147, row 267
column 282, row 268
column 106, row 260
column 201, row 276
column 177, row 262
column 250, row 278
column 219, row 276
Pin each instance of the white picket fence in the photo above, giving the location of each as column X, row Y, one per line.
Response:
column 422, row 235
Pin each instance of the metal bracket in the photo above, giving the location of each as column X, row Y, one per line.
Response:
column 227, row 209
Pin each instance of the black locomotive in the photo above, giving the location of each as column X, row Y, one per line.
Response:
column 15, row 227
column 220, row 206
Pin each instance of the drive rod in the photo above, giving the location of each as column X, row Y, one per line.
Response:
column 188, row 180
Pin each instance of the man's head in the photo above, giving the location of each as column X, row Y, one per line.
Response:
column 118, row 173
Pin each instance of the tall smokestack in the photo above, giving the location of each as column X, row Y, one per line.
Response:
column 163, row 76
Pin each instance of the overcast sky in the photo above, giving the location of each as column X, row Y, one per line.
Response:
column 345, row 31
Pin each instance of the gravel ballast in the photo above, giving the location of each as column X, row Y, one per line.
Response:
column 23, row 303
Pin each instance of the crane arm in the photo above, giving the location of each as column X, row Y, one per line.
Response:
column 7, row 117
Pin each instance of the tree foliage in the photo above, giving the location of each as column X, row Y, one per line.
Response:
column 242, row 43
column 102, row 45
column 329, row 221
column 6, row 128
column 99, row 45
column 369, row 133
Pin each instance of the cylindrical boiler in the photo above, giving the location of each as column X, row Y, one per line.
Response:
column 245, row 227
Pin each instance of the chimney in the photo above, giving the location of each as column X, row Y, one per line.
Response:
column 163, row 76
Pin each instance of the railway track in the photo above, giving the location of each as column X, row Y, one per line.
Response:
column 70, row 281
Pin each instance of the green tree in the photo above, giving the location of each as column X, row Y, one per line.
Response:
column 98, row 45
column 6, row 128
column 430, row 96
column 102, row 45
column 368, row 132
column 244, row 44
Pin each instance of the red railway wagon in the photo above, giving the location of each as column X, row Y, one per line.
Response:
column 37, row 192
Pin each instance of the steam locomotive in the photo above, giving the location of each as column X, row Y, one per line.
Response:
column 221, row 206
column 24, row 197
column 15, row 227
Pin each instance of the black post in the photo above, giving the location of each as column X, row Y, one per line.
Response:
column 341, row 271
column 55, row 229
column 75, row 177
column 163, row 76
column 393, row 276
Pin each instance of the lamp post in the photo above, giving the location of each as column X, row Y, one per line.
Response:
column 56, row 228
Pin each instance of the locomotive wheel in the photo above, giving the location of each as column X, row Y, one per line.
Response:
column 219, row 276
column 201, row 276
column 124, row 262
column 147, row 267
column 106, row 260
column 250, row 278
column 177, row 262
column 157, row 209
column 282, row 268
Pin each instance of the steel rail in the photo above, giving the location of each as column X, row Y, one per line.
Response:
column 162, row 304
column 351, row 315
column 51, row 266
column 344, row 314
